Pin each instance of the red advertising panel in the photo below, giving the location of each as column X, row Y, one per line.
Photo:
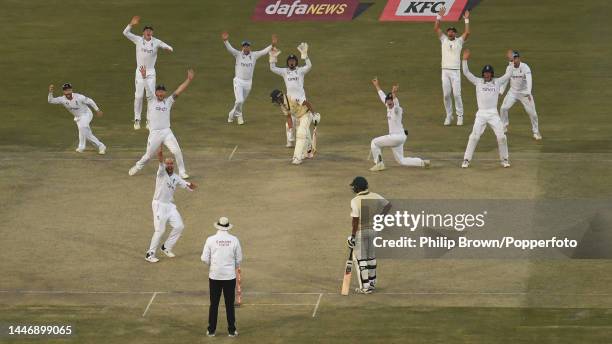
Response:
column 421, row 10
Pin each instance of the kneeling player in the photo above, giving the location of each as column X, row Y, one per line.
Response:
column 362, row 234
column 397, row 134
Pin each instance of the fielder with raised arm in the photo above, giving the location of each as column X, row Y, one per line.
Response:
column 397, row 134
column 362, row 233
column 164, row 209
column 451, row 66
column 298, row 132
column 79, row 106
column 520, row 89
column 243, row 74
column 487, row 94
column 146, row 55
column 159, row 107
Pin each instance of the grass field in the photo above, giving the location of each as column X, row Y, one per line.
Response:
column 75, row 227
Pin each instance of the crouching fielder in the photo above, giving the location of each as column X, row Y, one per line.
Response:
column 487, row 94
column 397, row 134
column 78, row 105
column 158, row 113
column 164, row 209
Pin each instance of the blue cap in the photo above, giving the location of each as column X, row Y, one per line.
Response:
column 515, row 53
column 245, row 42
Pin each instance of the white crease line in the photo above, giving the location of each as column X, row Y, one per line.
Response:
column 566, row 326
column 149, row 305
column 244, row 304
column 232, row 153
column 314, row 313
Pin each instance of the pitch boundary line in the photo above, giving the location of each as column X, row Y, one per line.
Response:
column 316, row 308
column 149, row 304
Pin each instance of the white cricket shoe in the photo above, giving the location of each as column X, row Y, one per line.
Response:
column 184, row 175
column 230, row 117
column 79, row 150
column 240, row 120
column 167, row 252
column 150, row 257
column 363, row 290
column 459, row 120
column 426, row 163
column 537, row 136
column 209, row 334
column 380, row 166
column 448, row 120
column 233, row 334
column 290, row 144
column 296, row 161
column 505, row 163
column 133, row 170
column 102, row 150
column 466, row 164
column 136, row 124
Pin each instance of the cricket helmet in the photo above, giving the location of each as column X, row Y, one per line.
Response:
column 277, row 96
column 359, row 184
column 293, row 57
column 389, row 96
column 489, row 69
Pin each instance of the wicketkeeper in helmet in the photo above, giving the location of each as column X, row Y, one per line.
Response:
column 294, row 104
column 364, row 206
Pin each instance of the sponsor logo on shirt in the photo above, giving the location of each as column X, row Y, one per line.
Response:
column 422, row 10
column 308, row 10
column 223, row 242
column 161, row 108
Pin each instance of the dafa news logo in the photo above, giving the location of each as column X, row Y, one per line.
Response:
column 308, row 10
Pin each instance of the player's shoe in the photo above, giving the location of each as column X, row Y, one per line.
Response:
column 448, row 120
column 363, row 291
column 309, row 154
column 505, row 163
column 150, row 257
column 167, row 252
column 184, row 175
column 230, row 117
column 290, row 144
column 426, row 163
column 379, row 166
column 466, row 163
column 233, row 334
column 296, row 161
column 136, row 124
column 79, row 150
column 537, row 136
column 133, row 170
column 240, row 120
column 102, row 150
column 459, row 120
column 210, row 334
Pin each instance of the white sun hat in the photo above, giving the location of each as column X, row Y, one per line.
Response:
column 223, row 224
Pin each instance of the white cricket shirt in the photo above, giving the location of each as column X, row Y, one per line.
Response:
column 394, row 115
column 487, row 93
column 451, row 52
column 222, row 252
column 146, row 51
column 245, row 64
column 78, row 105
column 165, row 185
column 294, row 80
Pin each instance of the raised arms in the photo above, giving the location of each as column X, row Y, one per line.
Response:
column 127, row 33
column 466, row 70
column 50, row 97
column 182, row 87
column 228, row 46
column 437, row 29
column 466, row 32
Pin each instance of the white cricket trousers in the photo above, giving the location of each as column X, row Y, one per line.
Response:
column 290, row 132
column 155, row 140
column 140, row 91
column 162, row 214
column 451, row 88
column 242, row 88
column 484, row 118
column 85, row 133
column 528, row 104
column 303, row 137
column 396, row 142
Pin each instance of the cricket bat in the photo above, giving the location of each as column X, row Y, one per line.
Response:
column 346, row 282
column 238, row 300
column 314, row 140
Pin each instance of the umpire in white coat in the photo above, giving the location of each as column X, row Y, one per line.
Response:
column 223, row 254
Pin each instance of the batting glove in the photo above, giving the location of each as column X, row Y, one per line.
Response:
column 274, row 55
column 351, row 241
column 303, row 48
column 316, row 118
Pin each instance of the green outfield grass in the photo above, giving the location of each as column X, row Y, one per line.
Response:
column 77, row 225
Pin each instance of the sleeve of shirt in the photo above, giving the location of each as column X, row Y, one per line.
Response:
column 231, row 49
column 277, row 70
column 468, row 74
column 382, row 96
column 238, row 253
column 442, row 38
column 206, row 253
column 506, row 77
column 164, row 45
column 260, row 53
column 183, row 183
column 171, row 100
column 307, row 67
column 51, row 100
column 355, row 211
column 127, row 33
column 529, row 80
column 90, row 102
column 161, row 169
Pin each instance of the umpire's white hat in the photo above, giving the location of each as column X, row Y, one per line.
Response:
column 223, row 224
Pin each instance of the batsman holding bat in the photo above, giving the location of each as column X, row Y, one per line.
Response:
column 363, row 206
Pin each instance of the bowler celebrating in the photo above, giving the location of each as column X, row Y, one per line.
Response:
column 164, row 209
column 520, row 89
column 243, row 74
column 78, row 105
column 146, row 55
column 159, row 107
column 487, row 94
column 451, row 65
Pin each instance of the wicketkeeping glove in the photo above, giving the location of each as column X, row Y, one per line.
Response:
column 316, row 118
column 274, row 55
column 303, row 48
column 351, row 241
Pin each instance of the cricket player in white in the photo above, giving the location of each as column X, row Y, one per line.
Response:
column 158, row 109
column 487, row 94
column 451, row 66
column 146, row 55
column 243, row 74
column 362, row 233
column 79, row 106
column 520, row 89
column 294, row 83
column 164, row 209
column 397, row 134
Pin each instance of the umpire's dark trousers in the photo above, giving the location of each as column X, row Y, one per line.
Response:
column 228, row 287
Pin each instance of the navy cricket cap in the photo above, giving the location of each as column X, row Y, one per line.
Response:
column 389, row 96
column 452, row 28
column 160, row 87
column 147, row 27
column 489, row 69
column 246, row 43
column 67, row 86
column 515, row 53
